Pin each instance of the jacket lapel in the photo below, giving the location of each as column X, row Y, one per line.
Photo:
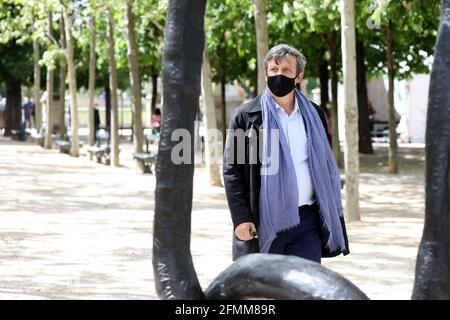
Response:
column 254, row 113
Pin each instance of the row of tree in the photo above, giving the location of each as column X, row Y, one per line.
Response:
column 94, row 44
column 238, row 32
column 111, row 44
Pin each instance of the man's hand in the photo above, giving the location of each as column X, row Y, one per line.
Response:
column 246, row 231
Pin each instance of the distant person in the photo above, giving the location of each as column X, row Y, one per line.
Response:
column 33, row 114
column 96, row 122
column 156, row 121
column 28, row 109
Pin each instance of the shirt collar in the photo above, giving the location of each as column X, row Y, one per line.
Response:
column 280, row 109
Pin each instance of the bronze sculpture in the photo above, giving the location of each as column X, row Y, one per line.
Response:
column 433, row 260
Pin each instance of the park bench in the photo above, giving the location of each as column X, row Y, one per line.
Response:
column 380, row 130
column 102, row 153
column 148, row 158
column 64, row 146
column 101, row 150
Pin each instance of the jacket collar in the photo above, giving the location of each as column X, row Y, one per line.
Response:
column 255, row 105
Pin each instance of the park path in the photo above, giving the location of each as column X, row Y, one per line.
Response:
column 74, row 229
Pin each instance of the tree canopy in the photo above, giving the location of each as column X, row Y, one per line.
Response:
column 230, row 35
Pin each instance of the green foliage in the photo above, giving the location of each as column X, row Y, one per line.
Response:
column 307, row 26
column 415, row 26
column 16, row 62
column 230, row 34
column 231, row 40
column 149, row 28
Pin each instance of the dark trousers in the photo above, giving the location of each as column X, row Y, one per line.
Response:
column 304, row 240
column 28, row 122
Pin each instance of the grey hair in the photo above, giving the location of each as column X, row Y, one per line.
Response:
column 283, row 51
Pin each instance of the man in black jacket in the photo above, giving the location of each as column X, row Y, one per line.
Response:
column 242, row 176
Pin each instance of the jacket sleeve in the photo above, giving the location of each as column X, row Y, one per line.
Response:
column 234, row 177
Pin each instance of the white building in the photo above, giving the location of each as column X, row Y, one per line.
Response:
column 411, row 103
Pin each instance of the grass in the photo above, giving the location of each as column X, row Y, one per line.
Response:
column 124, row 118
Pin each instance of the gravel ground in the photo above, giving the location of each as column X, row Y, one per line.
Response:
column 74, row 229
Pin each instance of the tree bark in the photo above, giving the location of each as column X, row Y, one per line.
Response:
column 92, row 65
column 432, row 280
column 332, row 47
column 154, row 94
column 221, row 125
column 62, row 83
column 135, row 79
column 113, row 86
column 365, row 140
column 211, row 148
column 13, row 110
column 75, row 151
column 255, row 82
column 108, row 108
column 50, row 87
column 175, row 276
column 393, row 164
column 37, row 83
column 351, row 153
column 324, row 78
column 221, row 107
column 262, row 40
column 223, row 91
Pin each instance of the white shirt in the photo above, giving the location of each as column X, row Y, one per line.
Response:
column 295, row 133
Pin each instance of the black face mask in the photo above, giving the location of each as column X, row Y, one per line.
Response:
column 280, row 85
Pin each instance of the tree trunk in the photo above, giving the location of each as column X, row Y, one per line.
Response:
column 175, row 276
column 13, row 110
column 154, row 94
column 351, row 153
column 135, row 79
column 324, row 78
column 333, row 45
column 365, row 140
column 50, row 86
column 262, row 40
column 62, row 84
column 108, row 108
column 255, row 82
column 223, row 111
column 113, row 86
column 75, row 151
column 62, row 103
column 221, row 107
column 432, row 280
column 92, row 65
column 211, row 148
column 221, row 125
column 393, row 164
column 37, row 84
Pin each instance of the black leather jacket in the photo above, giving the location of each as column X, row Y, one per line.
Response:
column 243, row 181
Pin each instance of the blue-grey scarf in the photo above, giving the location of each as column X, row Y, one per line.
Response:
column 278, row 202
